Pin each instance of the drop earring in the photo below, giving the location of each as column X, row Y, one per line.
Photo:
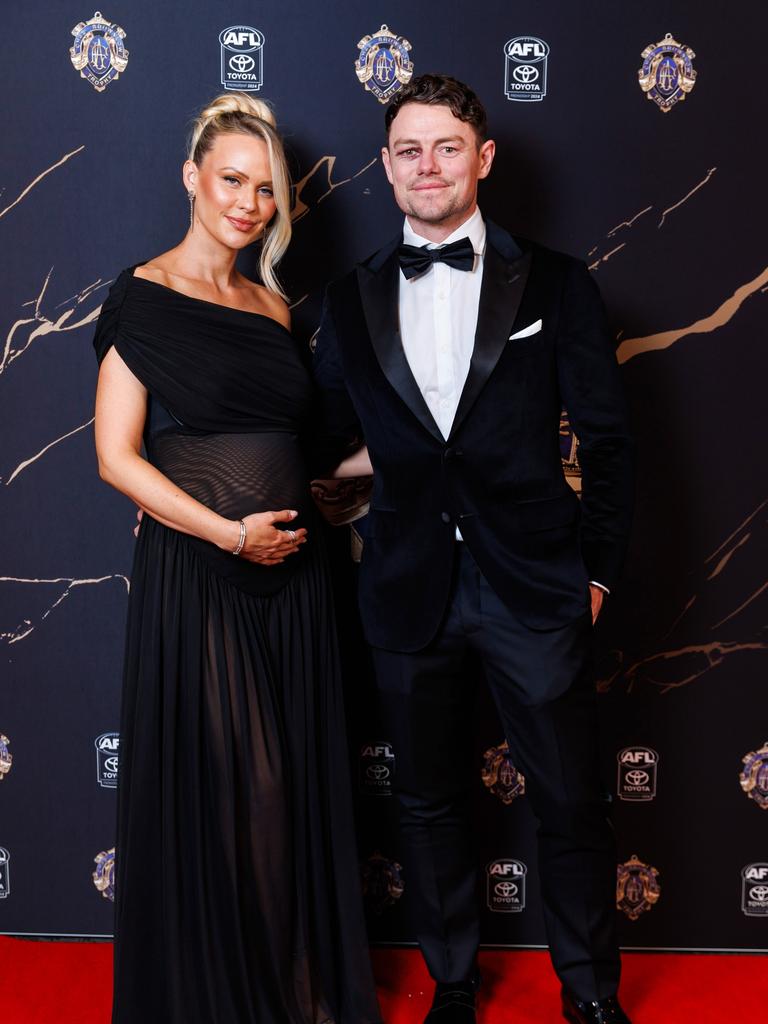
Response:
column 191, row 197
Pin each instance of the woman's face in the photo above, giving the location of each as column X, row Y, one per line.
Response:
column 234, row 200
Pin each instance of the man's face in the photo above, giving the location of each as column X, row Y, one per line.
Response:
column 433, row 163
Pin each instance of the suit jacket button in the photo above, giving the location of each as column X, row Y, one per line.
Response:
column 445, row 517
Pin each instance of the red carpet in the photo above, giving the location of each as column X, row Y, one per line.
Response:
column 70, row 982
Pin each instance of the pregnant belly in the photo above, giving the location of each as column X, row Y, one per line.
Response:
column 236, row 475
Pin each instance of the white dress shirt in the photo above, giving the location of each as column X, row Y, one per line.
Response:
column 438, row 320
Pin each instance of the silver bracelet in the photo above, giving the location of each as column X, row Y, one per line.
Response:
column 240, row 542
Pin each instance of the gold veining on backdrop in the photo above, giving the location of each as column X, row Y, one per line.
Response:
column 51, row 444
column 27, row 625
column 301, row 208
column 41, row 324
column 686, row 197
column 39, row 178
column 631, row 221
column 676, row 666
column 664, row 339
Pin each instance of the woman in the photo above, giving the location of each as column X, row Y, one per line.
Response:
column 236, row 894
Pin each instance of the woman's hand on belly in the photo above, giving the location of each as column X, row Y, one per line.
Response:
column 264, row 543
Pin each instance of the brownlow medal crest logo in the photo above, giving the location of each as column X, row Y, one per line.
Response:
column 5, row 876
column 383, row 883
column 753, row 776
column 98, row 52
column 384, row 65
column 6, row 757
column 104, row 875
column 500, row 775
column 637, row 887
column 569, row 447
column 667, row 74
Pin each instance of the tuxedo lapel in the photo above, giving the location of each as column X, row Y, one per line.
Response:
column 505, row 273
column 379, row 282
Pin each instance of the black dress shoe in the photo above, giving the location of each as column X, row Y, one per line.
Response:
column 599, row 1011
column 454, row 1003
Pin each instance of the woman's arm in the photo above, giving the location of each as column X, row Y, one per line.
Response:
column 358, row 464
column 121, row 408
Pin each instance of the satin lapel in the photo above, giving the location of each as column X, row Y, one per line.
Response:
column 500, row 295
column 379, row 294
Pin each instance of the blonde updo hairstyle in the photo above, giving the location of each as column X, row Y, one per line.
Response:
column 235, row 113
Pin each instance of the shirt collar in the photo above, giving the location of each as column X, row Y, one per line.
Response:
column 472, row 228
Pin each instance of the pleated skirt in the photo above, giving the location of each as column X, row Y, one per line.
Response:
column 237, row 893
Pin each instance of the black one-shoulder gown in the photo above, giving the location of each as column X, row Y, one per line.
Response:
column 237, row 895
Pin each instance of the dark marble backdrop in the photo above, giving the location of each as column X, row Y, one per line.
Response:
column 669, row 211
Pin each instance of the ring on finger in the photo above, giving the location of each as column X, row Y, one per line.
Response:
column 292, row 535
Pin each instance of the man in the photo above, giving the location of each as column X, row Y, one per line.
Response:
column 451, row 352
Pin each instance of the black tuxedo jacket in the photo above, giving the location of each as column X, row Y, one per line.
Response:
column 499, row 475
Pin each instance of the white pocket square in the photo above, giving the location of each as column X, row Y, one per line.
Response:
column 526, row 332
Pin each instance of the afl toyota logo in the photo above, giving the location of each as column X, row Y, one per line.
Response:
column 637, row 773
column 754, row 890
column 242, row 50
column 506, row 885
column 525, row 70
column 377, row 768
column 107, row 759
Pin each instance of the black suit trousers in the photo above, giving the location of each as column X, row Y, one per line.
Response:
column 542, row 684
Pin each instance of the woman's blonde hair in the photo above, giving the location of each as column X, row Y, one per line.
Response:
column 234, row 113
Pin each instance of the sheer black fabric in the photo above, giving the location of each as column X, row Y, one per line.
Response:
column 237, row 899
column 236, row 474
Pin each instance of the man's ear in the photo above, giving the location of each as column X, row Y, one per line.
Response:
column 387, row 164
column 487, row 153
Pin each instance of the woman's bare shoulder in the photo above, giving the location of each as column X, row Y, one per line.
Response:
column 156, row 269
column 269, row 303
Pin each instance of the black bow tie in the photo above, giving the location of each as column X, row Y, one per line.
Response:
column 415, row 260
